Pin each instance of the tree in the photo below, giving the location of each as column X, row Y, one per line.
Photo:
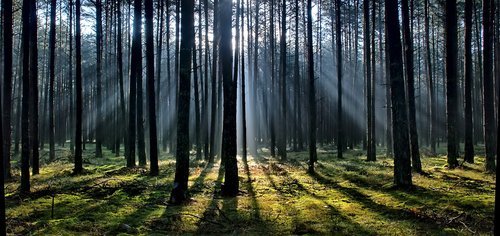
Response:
column 488, row 97
column 370, row 138
column 25, row 151
column 469, row 145
column 135, row 74
column 402, row 164
column 179, row 191
column 52, row 46
column 33, row 106
column 153, row 139
column 231, row 181
column 284, row 101
column 312, row 92
column 410, row 85
column 340, row 131
column 214, row 82
column 99, row 106
column 430, row 82
column 3, row 226
column 451, row 81
column 78, row 86
column 7, row 85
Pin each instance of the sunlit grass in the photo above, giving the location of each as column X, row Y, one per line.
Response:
column 348, row 197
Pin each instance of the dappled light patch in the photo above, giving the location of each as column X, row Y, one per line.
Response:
column 348, row 196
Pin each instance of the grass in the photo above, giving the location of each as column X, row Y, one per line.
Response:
column 346, row 197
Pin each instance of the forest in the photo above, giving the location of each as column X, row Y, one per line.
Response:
column 273, row 117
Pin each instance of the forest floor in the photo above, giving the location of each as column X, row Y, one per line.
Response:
column 346, row 197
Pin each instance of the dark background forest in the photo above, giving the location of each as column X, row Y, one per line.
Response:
column 360, row 117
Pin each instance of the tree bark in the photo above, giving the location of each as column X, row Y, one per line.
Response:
column 488, row 96
column 150, row 77
column 402, row 163
column 179, row 191
column 7, row 87
column 25, row 151
column 231, row 181
column 410, row 87
column 369, row 83
column 340, row 131
column 33, row 113
column 312, row 92
column 469, row 144
column 451, row 81
column 99, row 106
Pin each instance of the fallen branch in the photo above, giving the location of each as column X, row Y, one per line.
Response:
column 197, row 217
column 467, row 227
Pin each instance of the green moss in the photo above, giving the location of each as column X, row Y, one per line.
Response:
column 345, row 197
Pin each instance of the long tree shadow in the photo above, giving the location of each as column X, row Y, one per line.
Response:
column 422, row 221
column 251, row 192
column 341, row 224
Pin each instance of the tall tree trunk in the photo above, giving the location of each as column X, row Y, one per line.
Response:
column 469, row 144
column 25, row 152
column 410, row 86
column 430, row 83
column 78, row 86
column 340, row 131
column 150, row 77
column 135, row 74
column 369, row 82
column 7, row 87
column 312, row 91
column 179, row 191
column 99, row 105
column 296, row 74
column 402, row 163
column 214, row 83
column 119, row 58
column 243, row 98
column 7, row 38
column 52, row 48
column 231, row 181
column 451, row 81
column 488, row 96
column 33, row 123
column 283, row 75
column 196, row 104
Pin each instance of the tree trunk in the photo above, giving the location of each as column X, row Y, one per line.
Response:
column 340, row 131
column 402, row 163
column 25, row 152
column 312, row 92
column 369, row 82
column 135, row 74
column 430, row 83
column 179, row 191
column 33, row 123
column 451, row 82
column 410, row 87
column 469, row 144
column 283, row 75
column 99, row 106
column 488, row 96
column 7, row 85
column 52, row 48
column 150, row 77
column 231, row 181
column 214, row 83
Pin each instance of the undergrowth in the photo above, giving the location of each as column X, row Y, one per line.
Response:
column 345, row 196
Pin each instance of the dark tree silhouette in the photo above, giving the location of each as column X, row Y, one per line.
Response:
column 179, row 191
column 312, row 92
column 402, row 163
column 7, row 85
column 370, row 134
column 78, row 83
column 150, row 77
column 231, row 181
column 451, row 81
column 468, row 73
column 340, row 131
column 99, row 106
column 488, row 93
column 410, row 82
column 25, row 150
column 33, row 104
column 52, row 75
